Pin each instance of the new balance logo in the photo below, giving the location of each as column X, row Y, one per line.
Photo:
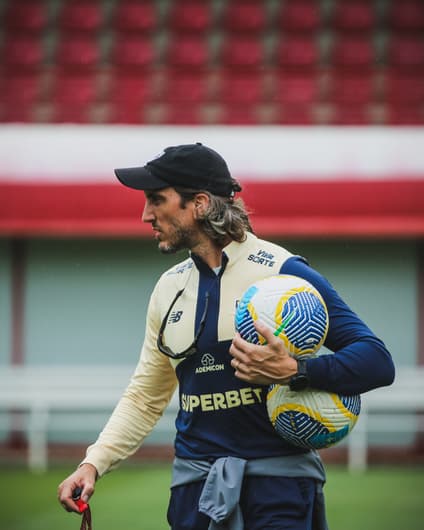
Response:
column 174, row 317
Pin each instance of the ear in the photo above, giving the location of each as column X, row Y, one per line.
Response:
column 201, row 203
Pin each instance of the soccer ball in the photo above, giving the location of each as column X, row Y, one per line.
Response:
column 297, row 314
column 291, row 307
column 313, row 419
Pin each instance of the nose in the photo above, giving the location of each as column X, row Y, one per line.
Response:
column 147, row 215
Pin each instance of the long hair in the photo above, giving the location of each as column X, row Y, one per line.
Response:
column 225, row 216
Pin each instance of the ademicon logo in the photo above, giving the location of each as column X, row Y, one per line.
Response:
column 208, row 364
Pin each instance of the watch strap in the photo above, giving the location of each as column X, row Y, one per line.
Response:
column 300, row 380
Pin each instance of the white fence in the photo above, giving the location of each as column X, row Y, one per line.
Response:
column 384, row 409
column 85, row 395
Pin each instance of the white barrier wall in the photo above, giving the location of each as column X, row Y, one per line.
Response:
column 80, row 153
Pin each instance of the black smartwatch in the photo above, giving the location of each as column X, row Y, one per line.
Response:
column 300, row 380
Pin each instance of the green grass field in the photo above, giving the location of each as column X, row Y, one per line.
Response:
column 135, row 498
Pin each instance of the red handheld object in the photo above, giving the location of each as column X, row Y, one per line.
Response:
column 76, row 497
column 82, row 506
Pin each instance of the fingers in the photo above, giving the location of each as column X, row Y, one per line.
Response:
column 83, row 478
column 87, row 492
column 261, row 363
column 237, row 365
column 242, row 349
column 242, row 352
column 64, row 495
column 238, row 350
column 265, row 331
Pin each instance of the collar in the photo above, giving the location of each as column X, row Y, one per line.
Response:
column 204, row 267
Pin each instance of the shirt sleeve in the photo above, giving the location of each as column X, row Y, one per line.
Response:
column 141, row 405
column 361, row 361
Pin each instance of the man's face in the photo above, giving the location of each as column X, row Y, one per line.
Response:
column 174, row 226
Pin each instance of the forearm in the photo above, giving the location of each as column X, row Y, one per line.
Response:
column 137, row 412
column 122, row 436
column 361, row 361
column 357, row 368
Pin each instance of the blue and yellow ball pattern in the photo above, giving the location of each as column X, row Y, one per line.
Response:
column 312, row 419
column 291, row 307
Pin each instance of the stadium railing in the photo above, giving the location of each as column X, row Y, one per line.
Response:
column 66, row 399
column 384, row 409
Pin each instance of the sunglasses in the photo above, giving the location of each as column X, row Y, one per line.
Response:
column 190, row 350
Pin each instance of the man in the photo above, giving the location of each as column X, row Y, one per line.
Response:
column 231, row 469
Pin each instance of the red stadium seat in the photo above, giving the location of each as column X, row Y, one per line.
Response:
column 126, row 112
column 73, row 95
column 134, row 16
column 353, row 52
column 299, row 52
column 408, row 115
column 22, row 53
column 74, row 89
column 238, row 115
column 294, row 115
column 188, row 52
column 22, row 113
column 354, row 89
column 178, row 114
column 354, row 16
column 132, row 89
column 81, row 16
column 404, row 88
column 67, row 113
column 129, row 95
column 78, row 53
column 351, row 115
column 406, row 16
column 29, row 16
column 245, row 16
column 190, row 17
column 296, row 89
column 186, row 88
column 406, row 53
column 242, row 52
column 131, row 52
column 300, row 16
column 241, row 88
column 20, row 89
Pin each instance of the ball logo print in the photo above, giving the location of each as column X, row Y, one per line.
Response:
column 291, row 307
column 311, row 418
column 297, row 314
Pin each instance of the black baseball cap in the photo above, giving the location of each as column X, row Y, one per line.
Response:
column 187, row 166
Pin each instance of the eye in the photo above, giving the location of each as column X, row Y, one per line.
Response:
column 155, row 199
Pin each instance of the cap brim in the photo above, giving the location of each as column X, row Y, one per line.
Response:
column 139, row 178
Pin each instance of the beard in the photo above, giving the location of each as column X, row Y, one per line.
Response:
column 181, row 239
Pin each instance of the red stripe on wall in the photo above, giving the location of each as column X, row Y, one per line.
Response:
column 330, row 208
